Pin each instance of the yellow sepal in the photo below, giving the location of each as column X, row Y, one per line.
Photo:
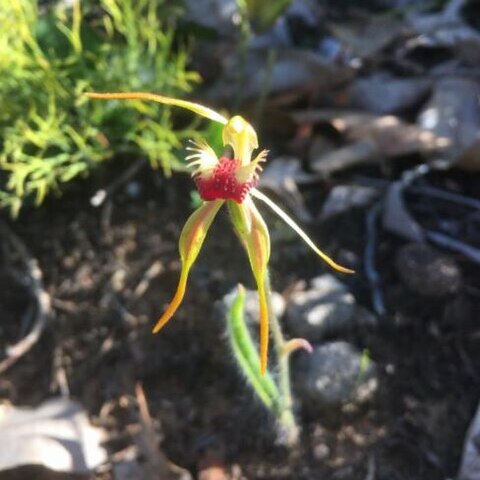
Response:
column 193, row 107
column 189, row 245
column 296, row 228
column 254, row 235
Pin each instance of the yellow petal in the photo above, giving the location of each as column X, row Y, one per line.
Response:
column 294, row 226
column 193, row 107
column 242, row 137
column 253, row 233
column 190, row 243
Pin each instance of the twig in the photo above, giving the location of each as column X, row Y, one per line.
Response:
column 363, row 152
column 242, row 52
column 158, row 465
column 42, row 299
column 467, row 361
column 153, row 271
column 425, row 190
column 265, row 87
column 150, row 443
column 371, row 468
column 445, row 195
column 453, row 244
column 102, row 194
column 369, row 259
column 59, row 374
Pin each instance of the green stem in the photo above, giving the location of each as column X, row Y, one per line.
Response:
column 266, row 86
column 287, row 418
column 244, row 41
column 247, row 356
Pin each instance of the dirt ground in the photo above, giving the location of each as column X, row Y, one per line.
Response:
column 98, row 342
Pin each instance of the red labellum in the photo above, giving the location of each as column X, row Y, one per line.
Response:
column 222, row 182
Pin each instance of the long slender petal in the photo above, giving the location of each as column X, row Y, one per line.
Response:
column 292, row 224
column 254, row 235
column 190, row 243
column 193, row 107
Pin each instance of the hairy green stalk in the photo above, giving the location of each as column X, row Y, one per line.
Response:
column 277, row 398
column 287, row 419
column 247, row 356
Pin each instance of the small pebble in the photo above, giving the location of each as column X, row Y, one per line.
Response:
column 327, row 310
column 344, row 198
column 321, row 451
column 335, row 376
column 427, row 272
column 252, row 312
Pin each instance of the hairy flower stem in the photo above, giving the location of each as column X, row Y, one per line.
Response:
column 290, row 431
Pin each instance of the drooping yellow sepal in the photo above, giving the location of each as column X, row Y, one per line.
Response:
column 193, row 107
column 189, row 245
column 296, row 228
column 253, row 233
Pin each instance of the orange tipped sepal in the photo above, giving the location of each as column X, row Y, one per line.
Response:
column 296, row 228
column 174, row 304
column 189, row 246
column 254, row 235
column 193, row 107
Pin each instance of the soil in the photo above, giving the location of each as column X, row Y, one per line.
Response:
column 98, row 342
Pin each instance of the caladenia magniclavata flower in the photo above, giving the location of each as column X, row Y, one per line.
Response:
column 231, row 182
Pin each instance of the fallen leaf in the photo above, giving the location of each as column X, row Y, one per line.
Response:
column 56, row 435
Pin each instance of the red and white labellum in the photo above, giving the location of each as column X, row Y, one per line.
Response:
column 222, row 182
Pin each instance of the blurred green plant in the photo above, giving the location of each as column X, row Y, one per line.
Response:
column 257, row 16
column 49, row 133
column 262, row 14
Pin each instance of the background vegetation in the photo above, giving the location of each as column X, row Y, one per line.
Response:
column 49, row 133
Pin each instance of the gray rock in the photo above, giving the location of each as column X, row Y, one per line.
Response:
column 383, row 94
column 325, row 311
column 426, row 271
column 219, row 15
column 343, row 198
column 365, row 37
column 281, row 177
column 328, row 285
column 252, row 312
column 335, row 377
column 470, row 465
column 453, row 113
column 444, row 29
column 294, row 70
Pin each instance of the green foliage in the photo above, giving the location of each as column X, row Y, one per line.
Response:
column 264, row 14
column 49, row 133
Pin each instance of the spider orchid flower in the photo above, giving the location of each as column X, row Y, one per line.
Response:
column 231, row 182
